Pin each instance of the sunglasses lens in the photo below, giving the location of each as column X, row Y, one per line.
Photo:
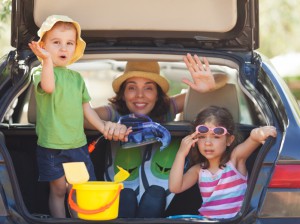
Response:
column 219, row 131
column 203, row 129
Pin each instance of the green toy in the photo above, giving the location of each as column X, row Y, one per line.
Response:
column 130, row 160
column 162, row 160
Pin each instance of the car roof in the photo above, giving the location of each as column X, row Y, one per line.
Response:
column 202, row 24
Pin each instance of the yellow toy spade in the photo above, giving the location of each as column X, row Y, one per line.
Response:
column 122, row 175
column 76, row 173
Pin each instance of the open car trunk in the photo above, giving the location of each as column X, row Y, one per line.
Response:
column 21, row 139
column 21, row 145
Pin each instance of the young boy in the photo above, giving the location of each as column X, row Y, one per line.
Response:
column 62, row 103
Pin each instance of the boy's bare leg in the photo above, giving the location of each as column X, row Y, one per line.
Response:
column 58, row 190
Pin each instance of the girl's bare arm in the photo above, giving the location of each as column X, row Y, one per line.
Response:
column 257, row 137
column 178, row 181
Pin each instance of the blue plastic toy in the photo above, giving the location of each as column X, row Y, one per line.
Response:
column 145, row 131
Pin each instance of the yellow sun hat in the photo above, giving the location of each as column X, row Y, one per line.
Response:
column 51, row 21
column 151, row 70
column 141, row 69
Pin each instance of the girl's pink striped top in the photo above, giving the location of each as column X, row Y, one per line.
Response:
column 222, row 193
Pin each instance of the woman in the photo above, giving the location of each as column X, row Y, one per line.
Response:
column 141, row 89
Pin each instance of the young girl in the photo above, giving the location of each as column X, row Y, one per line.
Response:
column 221, row 169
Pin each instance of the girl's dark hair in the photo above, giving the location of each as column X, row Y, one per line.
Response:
column 160, row 109
column 220, row 116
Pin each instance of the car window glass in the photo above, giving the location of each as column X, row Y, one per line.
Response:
column 99, row 74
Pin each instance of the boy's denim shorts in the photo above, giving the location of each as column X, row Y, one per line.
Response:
column 50, row 161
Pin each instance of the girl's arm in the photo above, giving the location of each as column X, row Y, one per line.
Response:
column 179, row 182
column 47, row 76
column 257, row 137
column 110, row 130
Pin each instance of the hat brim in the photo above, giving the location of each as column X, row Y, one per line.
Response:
column 80, row 43
column 220, row 78
column 160, row 80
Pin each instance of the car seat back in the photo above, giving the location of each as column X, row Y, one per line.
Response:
column 225, row 96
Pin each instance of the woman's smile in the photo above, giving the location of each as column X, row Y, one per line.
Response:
column 140, row 105
column 140, row 95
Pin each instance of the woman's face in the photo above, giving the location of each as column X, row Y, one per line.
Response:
column 140, row 95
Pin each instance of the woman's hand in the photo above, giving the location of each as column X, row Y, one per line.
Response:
column 203, row 79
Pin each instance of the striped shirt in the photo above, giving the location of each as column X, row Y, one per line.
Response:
column 222, row 193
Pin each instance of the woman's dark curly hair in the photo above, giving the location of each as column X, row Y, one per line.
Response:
column 219, row 116
column 160, row 109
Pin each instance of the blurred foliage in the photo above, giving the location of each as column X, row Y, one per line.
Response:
column 279, row 27
column 294, row 84
column 5, row 10
column 176, row 87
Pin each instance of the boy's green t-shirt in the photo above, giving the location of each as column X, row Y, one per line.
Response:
column 60, row 114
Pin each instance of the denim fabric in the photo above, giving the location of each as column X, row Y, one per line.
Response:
column 50, row 161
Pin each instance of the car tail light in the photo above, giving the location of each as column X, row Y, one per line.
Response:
column 286, row 176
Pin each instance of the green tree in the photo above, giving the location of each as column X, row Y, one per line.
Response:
column 5, row 10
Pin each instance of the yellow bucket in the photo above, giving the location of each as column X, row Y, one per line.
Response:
column 96, row 200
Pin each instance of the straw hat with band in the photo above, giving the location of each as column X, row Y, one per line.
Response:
column 150, row 70
column 142, row 69
column 51, row 21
